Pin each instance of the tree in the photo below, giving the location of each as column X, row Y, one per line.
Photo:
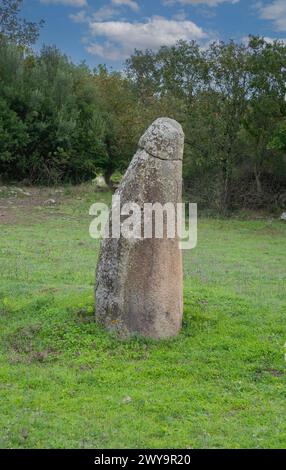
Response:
column 64, row 122
column 13, row 138
column 266, row 105
column 13, row 27
column 196, row 83
column 126, row 118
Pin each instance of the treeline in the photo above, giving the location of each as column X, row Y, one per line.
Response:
column 61, row 122
column 230, row 100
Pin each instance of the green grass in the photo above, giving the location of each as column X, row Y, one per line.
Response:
column 64, row 382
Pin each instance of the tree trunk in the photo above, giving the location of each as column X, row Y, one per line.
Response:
column 225, row 197
column 258, row 181
column 107, row 175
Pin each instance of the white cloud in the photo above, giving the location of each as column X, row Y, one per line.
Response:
column 106, row 50
column 210, row 3
column 72, row 3
column 276, row 12
column 127, row 3
column 245, row 40
column 180, row 15
column 79, row 17
column 106, row 12
column 122, row 37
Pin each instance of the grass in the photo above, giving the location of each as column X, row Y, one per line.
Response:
column 64, row 382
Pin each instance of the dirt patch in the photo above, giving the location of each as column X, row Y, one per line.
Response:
column 21, row 341
column 22, row 349
column 27, row 205
column 275, row 372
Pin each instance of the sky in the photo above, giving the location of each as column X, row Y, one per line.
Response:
column 108, row 31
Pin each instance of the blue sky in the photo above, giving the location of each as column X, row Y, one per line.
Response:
column 107, row 31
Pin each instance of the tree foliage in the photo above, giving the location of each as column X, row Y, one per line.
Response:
column 230, row 99
column 15, row 28
column 62, row 122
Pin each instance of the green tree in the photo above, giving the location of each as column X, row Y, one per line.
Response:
column 266, row 105
column 13, row 138
column 15, row 28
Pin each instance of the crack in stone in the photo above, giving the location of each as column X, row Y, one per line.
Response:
column 160, row 158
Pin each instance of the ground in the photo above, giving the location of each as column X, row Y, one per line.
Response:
column 65, row 382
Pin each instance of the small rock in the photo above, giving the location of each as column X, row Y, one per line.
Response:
column 25, row 433
column 127, row 399
column 283, row 216
column 100, row 183
column 50, row 202
column 15, row 190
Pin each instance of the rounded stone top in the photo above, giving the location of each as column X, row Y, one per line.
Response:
column 164, row 139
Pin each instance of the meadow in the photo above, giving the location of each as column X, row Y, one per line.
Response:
column 66, row 383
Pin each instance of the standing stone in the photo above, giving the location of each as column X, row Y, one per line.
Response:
column 139, row 281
